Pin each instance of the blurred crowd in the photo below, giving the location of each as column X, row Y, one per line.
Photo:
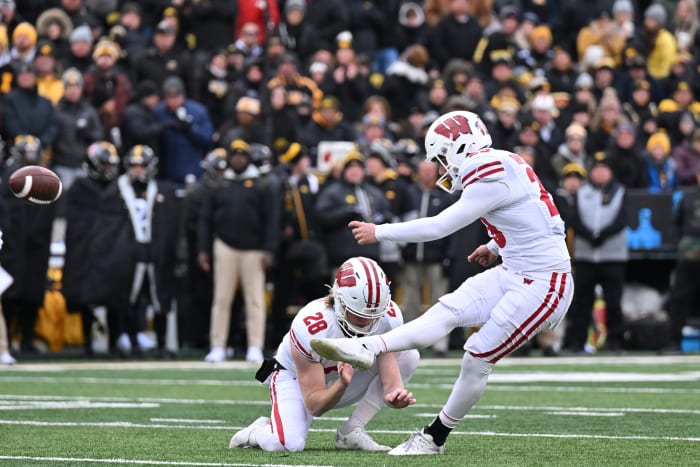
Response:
column 213, row 151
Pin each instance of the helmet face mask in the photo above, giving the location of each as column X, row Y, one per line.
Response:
column 450, row 140
column 360, row 290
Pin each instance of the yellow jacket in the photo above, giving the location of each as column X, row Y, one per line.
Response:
column 50, row 87
column 613, row 43
column 660, row 59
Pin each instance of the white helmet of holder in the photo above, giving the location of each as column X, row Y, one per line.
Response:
column 450, row 139
column 361, row 288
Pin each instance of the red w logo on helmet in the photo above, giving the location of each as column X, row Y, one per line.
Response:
column 346, row 276
column 453, row 127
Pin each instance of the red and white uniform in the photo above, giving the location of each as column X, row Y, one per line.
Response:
column 290, row 420
column 533, row 287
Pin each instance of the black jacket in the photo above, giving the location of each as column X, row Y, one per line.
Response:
column 79, row 126
column 27, row 244
column 82, row 209
column 451, row 39
column 115, row 252
column 139, row 126
column 27, row 113
column 335, row 207
column 244, row 213
column 436, row 251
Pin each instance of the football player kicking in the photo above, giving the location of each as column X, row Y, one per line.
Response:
column 529, row 291
column 304, row 385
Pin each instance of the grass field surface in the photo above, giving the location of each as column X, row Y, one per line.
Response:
column 598, row 411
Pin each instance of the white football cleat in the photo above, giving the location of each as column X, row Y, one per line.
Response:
column 417, row 444
column 246, row 437
column 345, row 350
column 358, row 439
column 7, row 359
column 217, row 354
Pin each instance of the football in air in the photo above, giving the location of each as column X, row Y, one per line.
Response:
column 36, row 184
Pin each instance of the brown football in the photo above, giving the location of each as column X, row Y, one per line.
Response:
column 36, row 184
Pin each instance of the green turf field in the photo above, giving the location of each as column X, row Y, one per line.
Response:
column 599, row 411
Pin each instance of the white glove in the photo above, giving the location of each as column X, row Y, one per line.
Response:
column 1, row 240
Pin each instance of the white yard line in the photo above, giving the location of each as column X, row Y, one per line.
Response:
column 92, row 460
column 19, row 399
column 333, row 430
column 185, row 420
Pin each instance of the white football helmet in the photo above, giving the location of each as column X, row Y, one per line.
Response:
column 450, row 139
column 361, row 288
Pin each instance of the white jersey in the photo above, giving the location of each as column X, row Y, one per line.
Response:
column 316, row 320
column 502, row 191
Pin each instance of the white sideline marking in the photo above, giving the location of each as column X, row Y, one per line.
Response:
column 587, row 414
column 496, row 387
column 143, row 462
column 185, row 420
column 319, row 430
column 152, row 382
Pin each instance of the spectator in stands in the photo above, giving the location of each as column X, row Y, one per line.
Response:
column 327, row 124
column 108, row 88
column 79, row 127
column 347, row 82
column 263, row 14
column 55, row 26
column 239, row 223
column 505, row 127
column 687, row 159
column 246, row 123
column 187, row 136
column 545, row 111
column 537, row 57
column 282, row 123
column 623, row 15
column 214, row 86
column 660, row 166
column 25, row 112
column 406, row 82
column 49, row 84
column 7, row 72
column 139, row 125
column 296, row 32
column 24, row 39
column 164, row 58
column 687, row 26
column 456, row 35
column 9, row 16
column 641, row 110
column 211, row 24
column 604, row 121
column 251, row 84
column 413, row 28
column 328, row 18
column 78, row 13
column 573, row 149
column 685, row 297
column 625, row 158
column 250, row 40
column 80, row 49
column 599, row 220
column 602, row 31
column 380, row 167
column 295, row 83
column 657, row 42
column 425, row 262
column 349, row 198
column 131, row 33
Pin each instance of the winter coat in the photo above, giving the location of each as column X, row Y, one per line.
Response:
column 114, row 252
column 27, row 113
column 405, row 87
column 687, row 163
column 72, row 142
column 182, row 149
column 336, row 206
column 244, row 212
column 82, row 209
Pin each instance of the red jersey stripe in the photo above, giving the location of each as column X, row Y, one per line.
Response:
column 481, row 167
column 299, row 347
column 483, row 175
column 276, row 417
